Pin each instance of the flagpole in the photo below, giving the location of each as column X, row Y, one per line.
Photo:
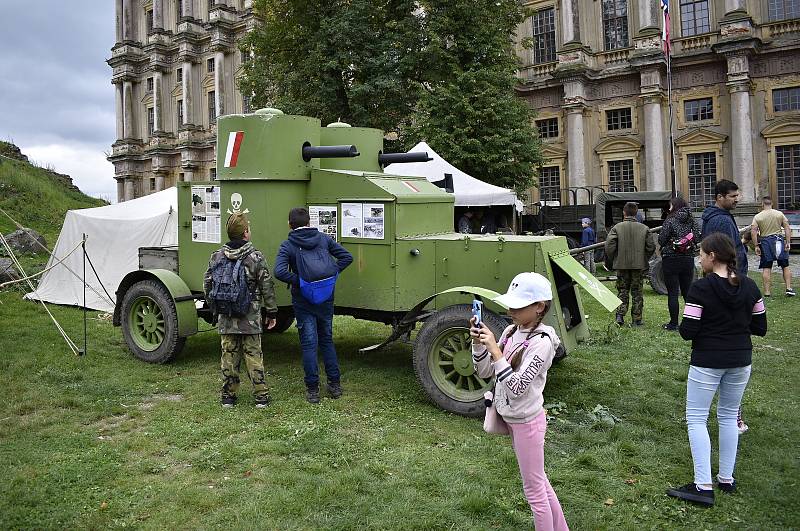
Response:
column 671, row 136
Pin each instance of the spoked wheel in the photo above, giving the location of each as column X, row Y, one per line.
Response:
column 443, row 360
column 150, row 322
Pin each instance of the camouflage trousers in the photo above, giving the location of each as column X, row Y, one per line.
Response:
column 629, row 284
column 234, row 348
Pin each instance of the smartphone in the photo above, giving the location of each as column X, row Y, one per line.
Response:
column 477, row 311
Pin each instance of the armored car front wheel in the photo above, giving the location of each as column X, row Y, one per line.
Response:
column 150, row 322
column 443, row 360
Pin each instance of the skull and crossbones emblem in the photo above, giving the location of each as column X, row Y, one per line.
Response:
column 236, row 204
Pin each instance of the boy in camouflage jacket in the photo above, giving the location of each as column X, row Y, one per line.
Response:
column 241, row 335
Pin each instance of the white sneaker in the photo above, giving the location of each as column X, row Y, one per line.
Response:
column 742, row 426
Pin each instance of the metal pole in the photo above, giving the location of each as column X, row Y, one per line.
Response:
column 83, row 244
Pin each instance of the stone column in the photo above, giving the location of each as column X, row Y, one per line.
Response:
column 574, row 105
column 158, row 102
column 188, row 9
column 655, row 175
column 734, row 5
column 129, row 188
column 219, row 81
column 570, row 27
column 647, row 14
column 159, row 182
column 188, row 95
column 742, row 140
column 118, row 20
column 128, row 127
column 127, row 20
column 158, row 14
column 120, row 110
column 120, row 190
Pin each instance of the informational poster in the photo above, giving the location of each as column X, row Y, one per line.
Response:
column 324, row 219
column 205, row 214
column 352, row 220
column 373, row 220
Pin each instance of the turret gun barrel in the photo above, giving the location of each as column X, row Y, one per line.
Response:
column 384, row 159
column 328, row 152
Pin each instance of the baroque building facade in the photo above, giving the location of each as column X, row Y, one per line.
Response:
column 175, row 67
column 596, row 75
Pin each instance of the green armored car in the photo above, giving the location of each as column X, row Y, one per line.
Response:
column 410, row 269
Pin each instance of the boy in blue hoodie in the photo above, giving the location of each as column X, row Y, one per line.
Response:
column 718, row 218
column 314, row 321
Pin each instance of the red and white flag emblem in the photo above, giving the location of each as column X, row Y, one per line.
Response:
column 234, row 143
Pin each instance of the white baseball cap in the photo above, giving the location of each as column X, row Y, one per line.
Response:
column 524, row 290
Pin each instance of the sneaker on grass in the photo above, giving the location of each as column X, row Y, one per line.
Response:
column 790, row 292
column 334, row 389
column 729, row 488
column 228, row 401
column 692, row 493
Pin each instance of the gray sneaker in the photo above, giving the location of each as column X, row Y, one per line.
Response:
column 334, row 389
column 312, row 394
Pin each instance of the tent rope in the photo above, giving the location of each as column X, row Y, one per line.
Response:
column 76, row 275
column 71, row 344
column 43, row 271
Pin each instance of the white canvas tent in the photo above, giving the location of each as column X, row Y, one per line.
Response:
column 468, row 190
column 114, row 234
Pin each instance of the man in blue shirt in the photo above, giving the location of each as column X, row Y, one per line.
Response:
column 718, row 218
column 588, row 238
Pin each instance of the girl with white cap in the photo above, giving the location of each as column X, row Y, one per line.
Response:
column 519, row 363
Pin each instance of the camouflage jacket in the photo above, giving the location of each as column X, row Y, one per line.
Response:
column 259, row 281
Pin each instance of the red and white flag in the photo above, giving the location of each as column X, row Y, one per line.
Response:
column 665, row 28
column 232, row 151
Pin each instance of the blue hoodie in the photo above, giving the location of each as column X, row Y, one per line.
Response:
column 307, row 238
column 717, row 219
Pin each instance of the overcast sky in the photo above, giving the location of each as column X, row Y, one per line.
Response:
column 56, row 96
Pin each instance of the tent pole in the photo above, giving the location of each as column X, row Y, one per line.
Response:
column 83, row 244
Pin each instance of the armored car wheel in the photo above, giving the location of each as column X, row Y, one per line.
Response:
column 150, row 322
column 443, row 360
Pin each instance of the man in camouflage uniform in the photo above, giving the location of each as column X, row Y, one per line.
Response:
column 241, row 335
column 629, row 247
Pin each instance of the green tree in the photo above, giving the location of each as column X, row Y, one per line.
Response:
column 354, row 60
column 469, row 113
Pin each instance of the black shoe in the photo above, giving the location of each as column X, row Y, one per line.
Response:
column 263, row 402
column 730, row 488
column 691, row 493
column 638, row 323
column 620, row 320
column 334, row 389
column 670, row 327
column 312, row 394
column 228, row 401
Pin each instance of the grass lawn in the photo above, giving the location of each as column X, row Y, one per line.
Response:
column 108, row 441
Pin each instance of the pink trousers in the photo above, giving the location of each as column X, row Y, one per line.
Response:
column 528, row 442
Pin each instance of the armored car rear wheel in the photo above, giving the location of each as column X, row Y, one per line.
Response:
column 150, row 322
column 443, row 360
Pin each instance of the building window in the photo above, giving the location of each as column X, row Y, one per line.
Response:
column 211, row 4
column 179, row 112
column 246, row 104
column 151, row 120
column 548, row 128
column 620, row 176
column 149, row 84
column 702, row 174
column 617, row 119
column 549, row 184
column 148, row 20
column 210, row 65
column 544, row 36
column 152, row 184
column 694, row 17
column 245, row 56
column 179, row 75
column 699, row 109
column 212, row 174
column 615, row 24
column 181, row 177
column 787, row 174
column 786, row 99
column 784, row 9
column 212, row 107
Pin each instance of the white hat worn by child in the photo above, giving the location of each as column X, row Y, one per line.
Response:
column 524, row 290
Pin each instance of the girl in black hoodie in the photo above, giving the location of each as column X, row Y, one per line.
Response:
column 722, row 311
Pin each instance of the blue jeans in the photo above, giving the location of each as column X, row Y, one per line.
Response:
column 701, row 387
column 315, row 327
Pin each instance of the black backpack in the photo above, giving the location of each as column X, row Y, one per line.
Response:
column 229, row 292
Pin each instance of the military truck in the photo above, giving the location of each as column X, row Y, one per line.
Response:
column 410, row 269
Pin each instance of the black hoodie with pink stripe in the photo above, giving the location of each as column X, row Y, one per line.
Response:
column 719, row 318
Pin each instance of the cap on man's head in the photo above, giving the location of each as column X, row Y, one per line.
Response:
column 586, row 221
column 524, row 290
column 237, row 225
